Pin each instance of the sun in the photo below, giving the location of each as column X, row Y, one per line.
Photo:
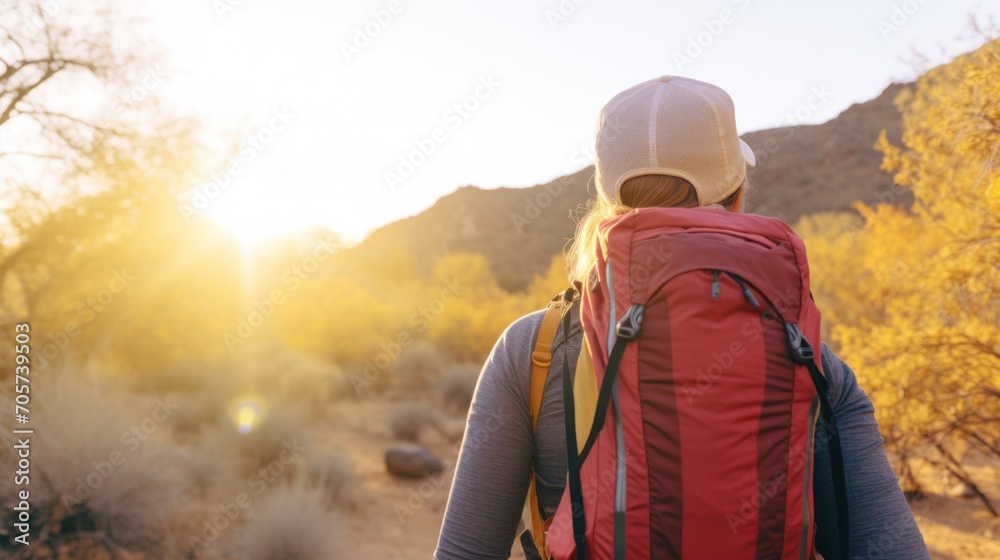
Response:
column 255, row 212
column 252, row 226
column 254, row 216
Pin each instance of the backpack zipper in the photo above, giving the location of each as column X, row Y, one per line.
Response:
column 715, row 285
column 746, row 291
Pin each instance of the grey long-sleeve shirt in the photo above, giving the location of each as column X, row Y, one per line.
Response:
column 494, row 465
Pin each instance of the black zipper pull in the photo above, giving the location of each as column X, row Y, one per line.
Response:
column 746, row 291
column 715, row 284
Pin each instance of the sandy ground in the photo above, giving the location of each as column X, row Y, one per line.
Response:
column 400, row 519
column 961, row 528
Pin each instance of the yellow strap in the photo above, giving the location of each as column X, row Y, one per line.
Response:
column 539, row 526
column 541, row 359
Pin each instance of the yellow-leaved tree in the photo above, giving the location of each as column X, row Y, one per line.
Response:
column 928, row 351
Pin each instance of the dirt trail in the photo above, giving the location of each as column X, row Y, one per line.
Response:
column 400, row 519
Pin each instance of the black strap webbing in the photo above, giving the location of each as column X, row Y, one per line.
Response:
column 575, row 460
column 836, row 457
column 604, row 397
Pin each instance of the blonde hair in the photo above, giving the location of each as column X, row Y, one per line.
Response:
column 644, row 191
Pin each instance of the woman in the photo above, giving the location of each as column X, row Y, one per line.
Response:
column 669, row 142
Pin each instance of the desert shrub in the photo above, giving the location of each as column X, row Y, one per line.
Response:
column 458, row 386
column 307, row 381
column 334, row 477
column 104, row 466
column 211, row 465
column 197, row 413
column 272, row 367
column 278, row 428
column 265, row 442
column 365, row 379
column 291, row 524
column 409, row 420
column 416, row 367
column 925, row 345
column 177, row 378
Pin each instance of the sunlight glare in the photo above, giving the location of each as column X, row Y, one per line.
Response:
column 248, row 411
column 254, row 218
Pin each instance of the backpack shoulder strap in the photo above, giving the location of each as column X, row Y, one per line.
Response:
column 803, row 353
column 541, row 359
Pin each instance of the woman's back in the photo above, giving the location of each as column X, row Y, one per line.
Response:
column 669, row 142
column 491, row 479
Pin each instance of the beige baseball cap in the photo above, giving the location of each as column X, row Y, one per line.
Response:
column 672, row 126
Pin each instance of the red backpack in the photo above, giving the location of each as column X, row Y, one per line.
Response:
column 696, row 358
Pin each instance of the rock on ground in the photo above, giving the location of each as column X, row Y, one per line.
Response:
column 411, row 461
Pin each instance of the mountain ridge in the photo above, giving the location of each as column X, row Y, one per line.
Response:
column 800, row 170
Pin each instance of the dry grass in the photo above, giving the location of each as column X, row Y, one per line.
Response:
column 410, row 420
column 458, row 386
column 276, row 370
column 334, row 477
column 416, row 367
column 90, row 474
column 291, row 524
column 264, row 442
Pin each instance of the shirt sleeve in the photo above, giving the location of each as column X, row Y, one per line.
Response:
column 881, row 523
column 494, row 464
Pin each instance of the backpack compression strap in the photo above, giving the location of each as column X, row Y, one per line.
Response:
column 626, row 331
column 803, row 353
column 541, row 359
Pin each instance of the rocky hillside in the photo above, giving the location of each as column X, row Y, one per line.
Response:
column 801, row 169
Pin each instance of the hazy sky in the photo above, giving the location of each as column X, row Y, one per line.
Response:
column 499, row 93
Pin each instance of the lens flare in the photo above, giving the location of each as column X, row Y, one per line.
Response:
column 247, row 412
column 247, row 415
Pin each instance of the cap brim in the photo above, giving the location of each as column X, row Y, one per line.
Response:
column 748, row 154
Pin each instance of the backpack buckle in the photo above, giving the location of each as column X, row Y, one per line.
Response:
column 800, row 349
column 628, row 327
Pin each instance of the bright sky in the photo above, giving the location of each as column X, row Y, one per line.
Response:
column 499, row 94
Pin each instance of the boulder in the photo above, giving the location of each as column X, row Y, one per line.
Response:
column 411, row 461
